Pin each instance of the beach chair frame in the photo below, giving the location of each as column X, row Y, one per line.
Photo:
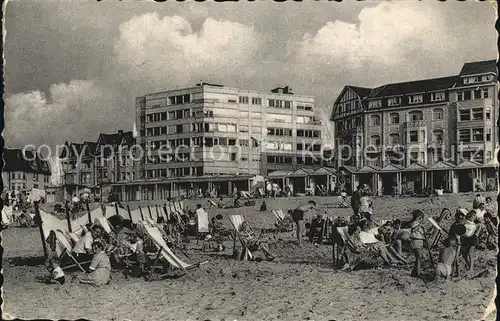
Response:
column 245, row 254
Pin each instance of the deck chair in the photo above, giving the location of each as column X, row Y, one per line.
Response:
column 283, row 222
column 245, row 194
column 202, row 224
column 261, row 192
column 341, row 243
column 343, row 202
column 164, row 251
column 322, row 190
column 212, row 204
column 237, row 221
column 437, row 232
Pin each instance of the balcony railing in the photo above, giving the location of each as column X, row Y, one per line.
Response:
column 413, row 124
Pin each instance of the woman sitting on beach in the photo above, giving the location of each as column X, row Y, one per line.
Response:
column 100, row 267
column 369, row 248
column 252, row 244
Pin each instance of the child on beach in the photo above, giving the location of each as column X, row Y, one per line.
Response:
column 447, row 256
column 417, row 241
column 468, row 240
column 56, row 273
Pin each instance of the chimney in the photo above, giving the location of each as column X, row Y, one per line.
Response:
column 120, row 132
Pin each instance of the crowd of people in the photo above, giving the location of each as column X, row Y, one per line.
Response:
column 367, row 240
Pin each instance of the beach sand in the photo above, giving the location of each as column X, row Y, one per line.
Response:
column 300, row 285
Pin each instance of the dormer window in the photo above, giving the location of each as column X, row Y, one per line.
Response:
column 439, row 96
column 471, row 80
column 375, row 103
column 487, row 78
column 416, row 99
column 394, row 101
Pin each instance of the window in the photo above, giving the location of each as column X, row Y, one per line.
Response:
column 375, row 103
column 464, row 114
column 488, row 135
column 244, row 142
column 477, row 94
column 375, row 140
column 477, row 113
column 279, row 103
column 437, row 114
column 394, row 139
column 308, row 133
column 282, row 118
column 256, row 101
column 310, row 108
column 279, row 131
column 414, row 136
column 485, row 92
column 394, row 101
column 460, row 95
column 375, row 120
column 439, row 96
column 478, row 135
column 467, row 95
column 416, row 99
column 464, row 136
column 471, row 80
column 437, row 135
column 243, row 99
column 416, row 115
column 394, row 118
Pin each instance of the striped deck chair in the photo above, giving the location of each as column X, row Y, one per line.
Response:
column 154, row 233
column 322, row 190
column 436, row 231
column 343, row 202
column 212, row 204
column 245, row 194
column 283, row 222
column 177, row 207
column 237, row 221
column 341, row 243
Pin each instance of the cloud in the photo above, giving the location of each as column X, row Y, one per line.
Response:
column 156, row 52
column 391, row 41
column 72, row 111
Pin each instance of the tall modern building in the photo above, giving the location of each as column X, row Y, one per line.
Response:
column 212, row 136
column 435, row 132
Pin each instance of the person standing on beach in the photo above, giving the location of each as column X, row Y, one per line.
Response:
column 298, row 217
column 356, row 199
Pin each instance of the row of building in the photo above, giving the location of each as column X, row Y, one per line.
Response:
column 434, row 132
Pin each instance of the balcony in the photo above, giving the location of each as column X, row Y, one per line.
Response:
column 414, row 124
column 475, row 103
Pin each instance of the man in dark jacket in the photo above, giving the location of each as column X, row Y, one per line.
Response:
column 317, row 226
column 356, row 199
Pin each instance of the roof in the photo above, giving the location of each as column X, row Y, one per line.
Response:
column 441, row 165
column 415, row 167
column 324, row 171
column 479, row 67
column 350, row 169
column 15, row 161
column 362, row 92
column 468, row 164
column 301, row 172
column 278, row 174
column 369, row 169
column 416, row 86
column 114, row 139
column 392, row 168
column 91, row 147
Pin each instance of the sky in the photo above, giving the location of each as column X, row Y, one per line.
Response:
column 73, row 69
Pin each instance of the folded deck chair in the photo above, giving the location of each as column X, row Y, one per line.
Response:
column 343, row 202
column 7, row 215
column 245, row 194
column 261, row 192
column 237, row 221
column 178, row 207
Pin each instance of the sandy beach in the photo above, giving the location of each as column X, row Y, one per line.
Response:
column 300, row 285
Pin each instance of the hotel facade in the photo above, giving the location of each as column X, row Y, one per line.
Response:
column 438, row 133
column 214, row 137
